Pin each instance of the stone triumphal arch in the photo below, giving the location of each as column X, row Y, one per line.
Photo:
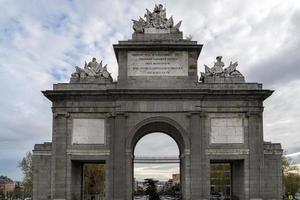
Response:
column 216, row 118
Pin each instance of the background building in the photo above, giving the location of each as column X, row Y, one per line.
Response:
column 7, row 186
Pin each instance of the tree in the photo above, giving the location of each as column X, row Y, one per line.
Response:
column 94, row 179
column 171, row 189
column 292, row 183
column 27, row 169
column 288, row 165
column 2, row 195
column 151, row 189
column 18, row 192
column 291, row 176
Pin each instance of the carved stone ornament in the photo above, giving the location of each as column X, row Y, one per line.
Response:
column 155, row 20
column 93, row 71
column 218, row 70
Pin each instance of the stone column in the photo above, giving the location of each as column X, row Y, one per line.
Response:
column 205, row 161
column 185, row 175
column 129, row 174
column 119, row 158
column 59, row 156
column 255, row 154
column 198, row 158
column 110, row 164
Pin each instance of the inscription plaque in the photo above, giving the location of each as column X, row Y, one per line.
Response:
column 157, row 63
column 88, row 131
column 227, row 130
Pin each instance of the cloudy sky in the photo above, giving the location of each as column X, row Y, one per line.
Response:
column 41, row 41
column 156, row 145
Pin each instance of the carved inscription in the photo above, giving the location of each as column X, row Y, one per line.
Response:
column 157, row 63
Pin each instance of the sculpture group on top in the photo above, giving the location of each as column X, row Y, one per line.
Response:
column 218, row 70
column 156, row 19
column 93, row 70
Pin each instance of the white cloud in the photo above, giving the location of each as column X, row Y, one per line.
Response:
column 293, row 154
column 162, row 172
column 282, row 116
column 156, row 145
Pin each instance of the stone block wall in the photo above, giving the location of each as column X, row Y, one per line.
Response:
column 271, row 183
column 42, row 171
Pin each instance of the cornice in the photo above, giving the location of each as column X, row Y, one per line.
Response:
column 164, row 94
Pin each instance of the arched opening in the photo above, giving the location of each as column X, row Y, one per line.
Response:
column 156, row 167
column 179, row 137
column 177, row 133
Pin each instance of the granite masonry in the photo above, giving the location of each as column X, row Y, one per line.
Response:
column 214, row 118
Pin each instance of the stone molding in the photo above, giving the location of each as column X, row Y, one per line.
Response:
column 253, row 114
column 118, row 114
column 200, row 113
column 226, row 151
column 181, row 132
column 102, row 152
column 132, row 94
column 272, row 148
column 61, row 114
column 42, row 153
column 273, row 152
column 187, row 152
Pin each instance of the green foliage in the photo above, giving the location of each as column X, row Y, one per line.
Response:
column 291, row 176
column 27, row 170
column 139, row 191
column 151, row 189
column 18, row 191
column 94, row 179
column 292, row 183
column 174, row 190
column 2, row 195
column 220, row 177
column 288, row 165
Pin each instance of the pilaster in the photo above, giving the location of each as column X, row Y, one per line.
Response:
column 198, row 161
column 256, row 154
column 119, row 154
column 59, row 156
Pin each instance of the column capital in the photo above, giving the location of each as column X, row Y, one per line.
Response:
column 119, row 114
column 253, row 114
column 199, row 113
column 61, row 114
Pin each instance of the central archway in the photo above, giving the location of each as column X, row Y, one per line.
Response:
column 156, row 161
column 172, row 129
